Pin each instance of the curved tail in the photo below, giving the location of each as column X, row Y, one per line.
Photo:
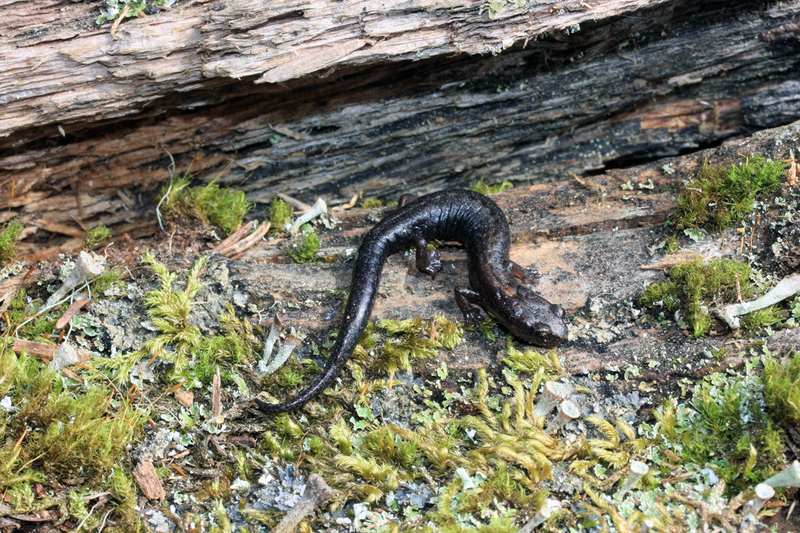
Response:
column 363, row 288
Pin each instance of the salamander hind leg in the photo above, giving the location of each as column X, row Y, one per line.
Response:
column 465, row 298
column 428, row 261
column 526, row 275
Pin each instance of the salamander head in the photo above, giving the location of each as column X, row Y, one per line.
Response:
column 535, row 320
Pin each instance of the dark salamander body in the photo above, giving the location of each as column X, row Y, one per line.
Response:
column 456, row 215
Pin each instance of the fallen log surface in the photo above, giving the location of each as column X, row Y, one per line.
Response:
column 595, row 241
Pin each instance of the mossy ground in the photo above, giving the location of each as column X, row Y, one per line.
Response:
column 472, row 456
column 718, row 198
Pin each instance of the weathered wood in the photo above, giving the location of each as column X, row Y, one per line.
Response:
column 61, row 68
column 693, row 76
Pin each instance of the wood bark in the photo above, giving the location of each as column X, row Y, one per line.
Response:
column 405, row 111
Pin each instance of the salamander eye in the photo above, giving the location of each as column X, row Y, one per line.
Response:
column 557, row 310
column 543, row 330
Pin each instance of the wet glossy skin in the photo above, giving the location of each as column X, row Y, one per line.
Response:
column 456, row 215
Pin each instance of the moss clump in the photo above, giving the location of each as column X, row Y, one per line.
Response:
column 371, row 203
column 28, row 322
column 212, row 204
column 531, row 361
column 415, row 339
column 106, row 281
column 94, row 236
column 280, row 214
column 482, row 188
column 306, row 248
column 671, row 244
column 169, row 312
column 123, row 488
column 66, row 432
column 726, row 428
column 9, row 236
column 720, row 197
column 695, row 285
column 782, row 387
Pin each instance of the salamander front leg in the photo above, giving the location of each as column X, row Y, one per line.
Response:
column 428, row 261
column 526, row 275
column 465, row 298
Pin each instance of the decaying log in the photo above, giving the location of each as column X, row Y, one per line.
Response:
column 589, row 238
column 403, row 111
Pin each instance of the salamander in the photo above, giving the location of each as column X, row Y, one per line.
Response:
column 479, row 224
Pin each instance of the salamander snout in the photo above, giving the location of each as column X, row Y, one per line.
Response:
column 539, row 322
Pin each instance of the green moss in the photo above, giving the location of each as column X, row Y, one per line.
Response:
column 221, row 519
column 720, row 197
column 305, row 248
column 782, row 387
column 727, row 429
column 532, row 360
column 169, row 311
column 753, row 322
column 371, row 203
column 671, row 244
column 179, row 340
column 66, row 432
column 9, row 237
column 234, row 346
column 280, row 214
column 696, row 285
column 482, row 188
column 125, row 493
column 415, row 339
column 106, row 281
column 113, row 9
column 28, row 322
column 94, row 236
column 219, row 206
column 290, row 375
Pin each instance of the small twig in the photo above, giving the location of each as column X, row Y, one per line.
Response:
column 349, row 205
column 239, row 247
column 538, row 519
column 316, row 493
column 70, row 312
column 216, row 396
column 301, row 207
column 791, row 509
column 117, row 22
column 236, row 236
column 753, row 232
